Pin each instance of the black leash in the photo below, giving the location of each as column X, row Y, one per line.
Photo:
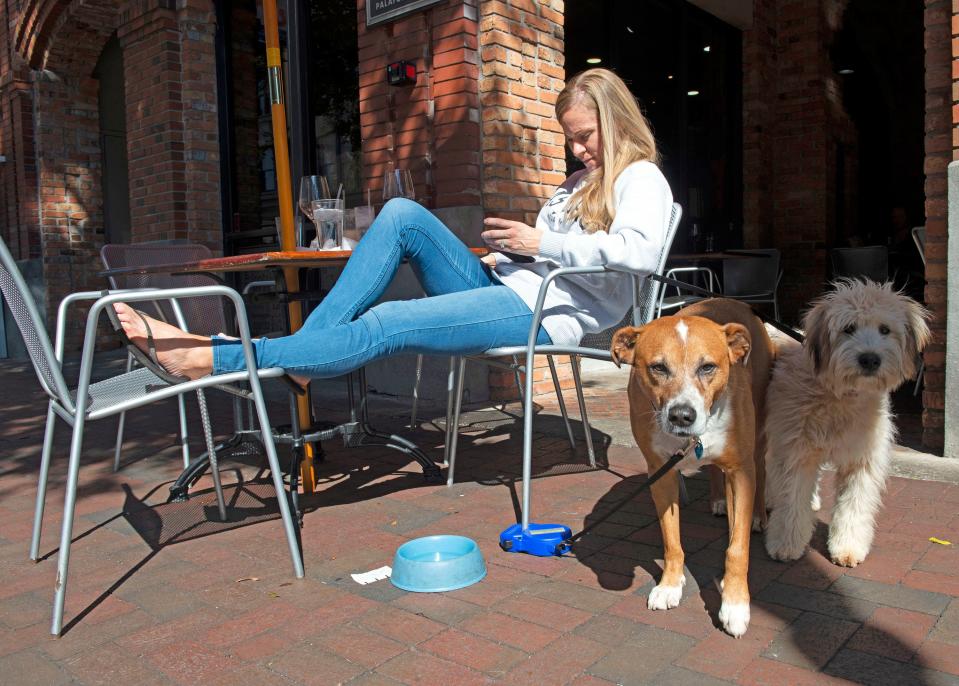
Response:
column 788, row 330
column 657, row 475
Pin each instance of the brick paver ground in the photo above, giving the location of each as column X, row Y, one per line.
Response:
column 159, row 594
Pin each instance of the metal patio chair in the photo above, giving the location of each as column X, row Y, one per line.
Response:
column 704, row 277
column 90, row 400
column 201, row 315
column 871, row 262
column 754, row 280
column 594, row 346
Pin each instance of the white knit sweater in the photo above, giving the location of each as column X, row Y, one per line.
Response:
column 576, row 305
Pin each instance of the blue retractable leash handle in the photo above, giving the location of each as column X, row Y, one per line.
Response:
column 546, row 540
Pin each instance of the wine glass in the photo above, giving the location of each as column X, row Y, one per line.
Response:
column 398, row 183
column 312, row 188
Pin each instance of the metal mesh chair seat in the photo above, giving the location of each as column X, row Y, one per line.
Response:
column 91, row 401
column 645, row 293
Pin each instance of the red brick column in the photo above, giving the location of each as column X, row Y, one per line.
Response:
column 432, row 126
column 172, row 141
column 521, row 49
column 942, row 144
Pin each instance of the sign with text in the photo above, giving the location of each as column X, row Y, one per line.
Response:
column 379, row 11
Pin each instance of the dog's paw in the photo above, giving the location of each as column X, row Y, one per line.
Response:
column 759, row 523
column 718, row 507
column 734, row 617
column 664, row 597
column 784, row 551
column 847, row 554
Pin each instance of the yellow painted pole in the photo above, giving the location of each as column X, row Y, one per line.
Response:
column 274, row 70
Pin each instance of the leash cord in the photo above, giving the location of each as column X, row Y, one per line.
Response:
column 789, row 331
column 657, row 475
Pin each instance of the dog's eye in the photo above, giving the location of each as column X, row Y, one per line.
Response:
column 883, row 329
column 850, row 330
column 659, row 369
column 706, row 369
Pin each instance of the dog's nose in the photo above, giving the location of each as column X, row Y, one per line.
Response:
column 682, row 416
column 869, row 362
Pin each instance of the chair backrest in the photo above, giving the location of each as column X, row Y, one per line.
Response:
column 30, row 322
column 752, row 275
column 919, row 236
column 645, row 295
column 871, row 262
column 202, row 315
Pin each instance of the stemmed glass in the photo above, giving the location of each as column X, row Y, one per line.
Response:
column 398, row 183
column 312, row 188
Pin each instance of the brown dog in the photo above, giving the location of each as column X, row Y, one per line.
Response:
column 701, row 376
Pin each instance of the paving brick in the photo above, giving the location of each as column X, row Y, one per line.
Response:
column 812, row 570
column 893, row 633
column 417, row 667
column 373, row 679
column 360, row 645
column 558, row 663
column 941, row 560
column 573, row 595
column 677, row 676
column 942, row 657
column 544, row 612
column 878, row 671
column 893, row 595
column 766, row 672
column 690, row 618
column 187, row 662
column 643, row 655
column 438, row 607
column 307, row 663
column 810, row 641
column 721, row 656
column 108, row 666
column 947, row 626
column 930, row 581
column 29, row 668
column 474, row 652
column 259, row 647
column 822, row 602
column 408, row 628
column 518, row 633
column 610, row 630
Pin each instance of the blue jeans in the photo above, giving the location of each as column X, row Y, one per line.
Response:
column 467, row 310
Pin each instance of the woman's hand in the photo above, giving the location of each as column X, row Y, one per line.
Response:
column 489, row 259
column 511, row 236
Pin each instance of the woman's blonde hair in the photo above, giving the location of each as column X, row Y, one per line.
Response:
column 626, row 138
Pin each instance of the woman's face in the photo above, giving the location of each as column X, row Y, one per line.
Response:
column 581, row 129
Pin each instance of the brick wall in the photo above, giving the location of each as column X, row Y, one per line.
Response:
column 942, row 144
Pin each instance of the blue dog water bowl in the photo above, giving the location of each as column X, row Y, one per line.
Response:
column 434, row 564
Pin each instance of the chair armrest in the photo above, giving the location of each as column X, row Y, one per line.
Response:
column 73, row 298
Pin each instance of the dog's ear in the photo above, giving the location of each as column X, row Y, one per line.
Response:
column 817, row 335
column 624, row 344
column 739, row 342
column 917, row 326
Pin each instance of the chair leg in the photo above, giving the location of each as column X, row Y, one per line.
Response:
column 211, row 453
column 66, row 531
column 455, row 423
column 42, row 482
column 562, row 403
column 416, row 390
column 922, row 369
column 266, row 437
column 776, row 309
column 184, row 434
column 577, row 380
column 527, row 445
column 450, row 387
column 120, row 424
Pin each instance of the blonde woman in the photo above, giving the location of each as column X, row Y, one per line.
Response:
column 614, row 212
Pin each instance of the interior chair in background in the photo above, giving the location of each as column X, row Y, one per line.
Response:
column 203, row 315
column 594, row 346
column 703, row 277
column 871, row 262
column 91, row 401
column 754, row 279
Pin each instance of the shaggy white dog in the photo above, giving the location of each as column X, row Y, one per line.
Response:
column 828, row 402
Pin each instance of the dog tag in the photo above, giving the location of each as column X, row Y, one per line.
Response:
column 698, row 449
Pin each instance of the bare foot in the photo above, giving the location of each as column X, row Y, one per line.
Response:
column 180, row 353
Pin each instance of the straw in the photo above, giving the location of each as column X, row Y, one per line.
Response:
column 339, row 193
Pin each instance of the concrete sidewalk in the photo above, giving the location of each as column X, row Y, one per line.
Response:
column 165, row 594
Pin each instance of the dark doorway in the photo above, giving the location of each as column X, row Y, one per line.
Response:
column 684, row 66
column 115, row 179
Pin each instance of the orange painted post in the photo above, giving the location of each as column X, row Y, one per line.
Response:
column 274, row 70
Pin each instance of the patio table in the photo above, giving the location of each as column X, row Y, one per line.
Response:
column 355, row 432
